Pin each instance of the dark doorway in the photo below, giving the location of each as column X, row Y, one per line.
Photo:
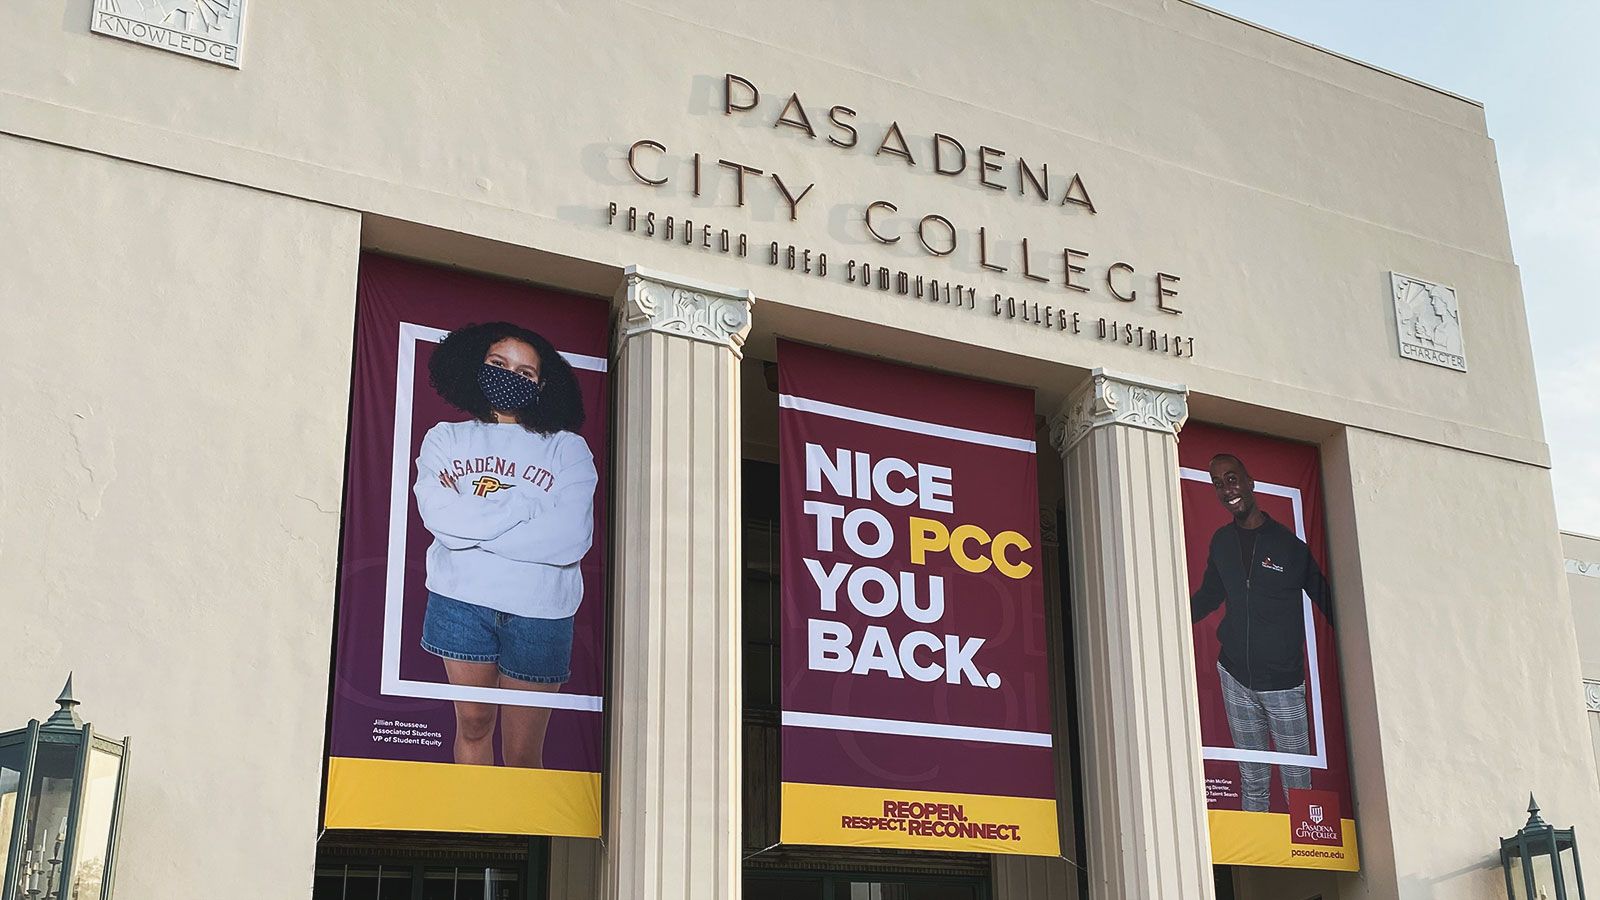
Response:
column 417, row 866
column 774, row 872
column 774, row 886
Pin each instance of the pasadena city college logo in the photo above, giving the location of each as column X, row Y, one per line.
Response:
column 1314, row 818
column 212, row 30
column 488, row 484
column 1427, row 319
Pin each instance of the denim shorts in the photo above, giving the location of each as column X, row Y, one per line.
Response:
column 533, row 650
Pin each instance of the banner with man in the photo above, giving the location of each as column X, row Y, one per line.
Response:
column 916, row 689
column 1271, row 717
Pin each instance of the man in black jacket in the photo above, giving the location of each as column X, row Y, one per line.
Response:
column 1257, row 570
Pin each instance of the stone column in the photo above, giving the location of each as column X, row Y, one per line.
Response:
column 673, row 807
column 1145, row 788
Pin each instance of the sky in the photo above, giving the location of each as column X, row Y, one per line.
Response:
column 1533, row 66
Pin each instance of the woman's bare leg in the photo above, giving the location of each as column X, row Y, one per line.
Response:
column 474, row 743
column 522, row 728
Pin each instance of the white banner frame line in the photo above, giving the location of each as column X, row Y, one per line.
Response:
column 391, row 684
column 1318, row 760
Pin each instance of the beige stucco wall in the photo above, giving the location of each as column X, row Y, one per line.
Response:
column 1281, row 183
column 1585, row 589
column 1460, row 665
column 170, row 475
column 1581, row 553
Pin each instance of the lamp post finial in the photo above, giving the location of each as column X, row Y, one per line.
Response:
column 66, row 714
column 1534, row 821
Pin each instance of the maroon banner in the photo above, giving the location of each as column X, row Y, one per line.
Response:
column 471, row 610
column 1271, row 714
column 916, row 689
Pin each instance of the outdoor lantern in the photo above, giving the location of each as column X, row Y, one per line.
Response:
column 60, row 798
column 1541, row 861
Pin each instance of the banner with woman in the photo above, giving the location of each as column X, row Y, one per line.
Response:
column 470, row 652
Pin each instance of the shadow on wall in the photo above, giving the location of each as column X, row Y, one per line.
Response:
column 1483, row 879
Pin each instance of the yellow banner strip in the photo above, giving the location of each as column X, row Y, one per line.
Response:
column 424, row 796
column 836, row 816
column 1263, row 839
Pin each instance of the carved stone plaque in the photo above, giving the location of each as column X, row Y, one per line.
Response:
column 204, row 29
column 1428, row 320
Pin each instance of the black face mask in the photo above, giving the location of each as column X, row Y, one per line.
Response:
column 505, row 389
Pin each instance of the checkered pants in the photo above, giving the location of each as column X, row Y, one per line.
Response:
column 1252, row 716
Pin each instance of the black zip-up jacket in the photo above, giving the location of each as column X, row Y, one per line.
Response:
column 1263, row 633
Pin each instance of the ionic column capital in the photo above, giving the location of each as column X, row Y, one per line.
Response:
column 1109, row 398
column 670, row 304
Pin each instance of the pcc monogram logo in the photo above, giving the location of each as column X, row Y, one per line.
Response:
column 1314, row 818
column 488, row 484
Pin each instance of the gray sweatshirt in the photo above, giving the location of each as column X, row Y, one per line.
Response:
column 512, row 514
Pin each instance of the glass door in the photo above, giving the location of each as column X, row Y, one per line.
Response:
column 470, row 883
column 415, row 881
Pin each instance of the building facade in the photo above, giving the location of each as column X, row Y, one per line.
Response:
column 1580, row 555
column 1149, row 214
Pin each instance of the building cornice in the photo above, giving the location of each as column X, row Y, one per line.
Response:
column 1581, row 567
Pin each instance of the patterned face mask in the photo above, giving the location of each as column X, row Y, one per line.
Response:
column 505, row 389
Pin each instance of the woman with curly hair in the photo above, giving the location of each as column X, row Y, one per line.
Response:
column 509, row 498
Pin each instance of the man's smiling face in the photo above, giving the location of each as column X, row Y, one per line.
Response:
column 1235, row 488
